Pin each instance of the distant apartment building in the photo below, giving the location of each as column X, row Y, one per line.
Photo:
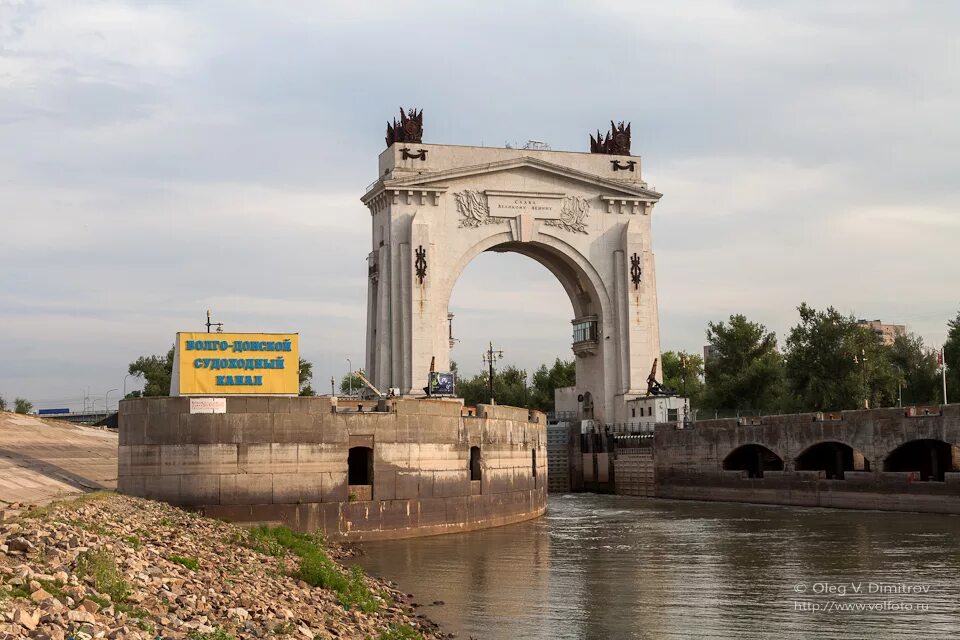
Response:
column 887, row 332
column 707, row 353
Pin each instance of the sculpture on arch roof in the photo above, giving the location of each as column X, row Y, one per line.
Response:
column 408, row 129
column 616, row 142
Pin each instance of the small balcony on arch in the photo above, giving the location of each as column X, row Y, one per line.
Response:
column 586, row 336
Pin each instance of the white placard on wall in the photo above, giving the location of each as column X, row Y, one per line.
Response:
column 208, row 405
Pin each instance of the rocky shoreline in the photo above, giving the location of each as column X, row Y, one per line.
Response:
column 111, row 566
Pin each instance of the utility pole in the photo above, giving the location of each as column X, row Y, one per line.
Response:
column 332, row 383
column 942, row 360
column 489, row 358
column 218, row 325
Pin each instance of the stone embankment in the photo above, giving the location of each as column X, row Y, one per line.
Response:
column 110, row 566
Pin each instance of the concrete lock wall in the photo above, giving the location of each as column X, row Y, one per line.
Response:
column 285, row 461
column 689, row 462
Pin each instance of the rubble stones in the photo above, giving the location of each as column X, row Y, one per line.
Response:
column 234, row 589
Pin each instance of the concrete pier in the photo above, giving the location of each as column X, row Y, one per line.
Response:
column 408, row 467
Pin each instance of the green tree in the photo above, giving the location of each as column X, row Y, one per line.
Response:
column 683, row 372
column 474, row 390
column 510, row 387
column 156, row 371
column 951, row 358
column 352, row 383
column 744, row 371
column 22, row 405
column 306, row 373
column 3, row 403
column 915, row 367
column 834, row 363
column 563, row 373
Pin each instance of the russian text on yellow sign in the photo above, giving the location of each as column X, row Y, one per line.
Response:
column 239, row 363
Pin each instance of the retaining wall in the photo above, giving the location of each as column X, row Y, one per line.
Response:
column 284, row 460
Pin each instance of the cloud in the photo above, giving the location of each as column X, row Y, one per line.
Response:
column 162, row 159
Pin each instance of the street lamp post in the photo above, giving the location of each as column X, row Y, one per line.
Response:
column 350, row 378
column 899, row 386
column 125, row 382
column 106, row 407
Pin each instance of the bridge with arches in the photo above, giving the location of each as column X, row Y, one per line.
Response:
column 883, row 458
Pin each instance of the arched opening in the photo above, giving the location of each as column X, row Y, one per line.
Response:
column 518, row 305
column 475, row 464
column 754, row 459
column 360, row 466
column 833, row 458
column 930, row 459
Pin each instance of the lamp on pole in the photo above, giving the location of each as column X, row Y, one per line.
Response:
column 899, row 385
column 349, row 378
column 125, row 382
column 106, row 407
column 489, row 357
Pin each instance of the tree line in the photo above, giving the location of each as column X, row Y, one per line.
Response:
column 510, row 385
column 20, row 405
column 827, row 362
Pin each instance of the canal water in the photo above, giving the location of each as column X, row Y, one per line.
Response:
column 606, row 567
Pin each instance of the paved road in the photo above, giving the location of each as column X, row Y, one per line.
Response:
column 41, row 460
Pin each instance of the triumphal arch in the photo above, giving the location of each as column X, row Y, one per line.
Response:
column 584, row 216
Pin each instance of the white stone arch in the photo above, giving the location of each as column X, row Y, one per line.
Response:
column 436, row 207
column 576, row 275
column 560, row 248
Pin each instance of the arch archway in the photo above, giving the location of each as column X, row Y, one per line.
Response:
column 930, row 459
column 586, row 293
column 578, row 215
column 833, row 458
column 754, row 459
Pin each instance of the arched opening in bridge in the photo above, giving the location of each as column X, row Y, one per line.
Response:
column 360, row 466
column 754, row 459
column 930, row 459
column 833, row 458
column 520, row 306
column 475, row 464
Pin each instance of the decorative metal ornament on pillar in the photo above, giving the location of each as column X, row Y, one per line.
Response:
column 421, row 264
column 635, row 271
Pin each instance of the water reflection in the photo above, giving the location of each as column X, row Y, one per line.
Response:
column 616, row 567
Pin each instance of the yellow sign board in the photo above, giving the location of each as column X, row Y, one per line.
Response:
column 237, row 363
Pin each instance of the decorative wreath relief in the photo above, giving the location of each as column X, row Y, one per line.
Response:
column 473, row 208
column 573, row 215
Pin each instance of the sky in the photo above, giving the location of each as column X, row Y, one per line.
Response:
column 160, row 159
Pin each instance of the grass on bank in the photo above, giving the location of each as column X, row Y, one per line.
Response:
column 400, row 632
column 316, row 568
column 190, row 563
